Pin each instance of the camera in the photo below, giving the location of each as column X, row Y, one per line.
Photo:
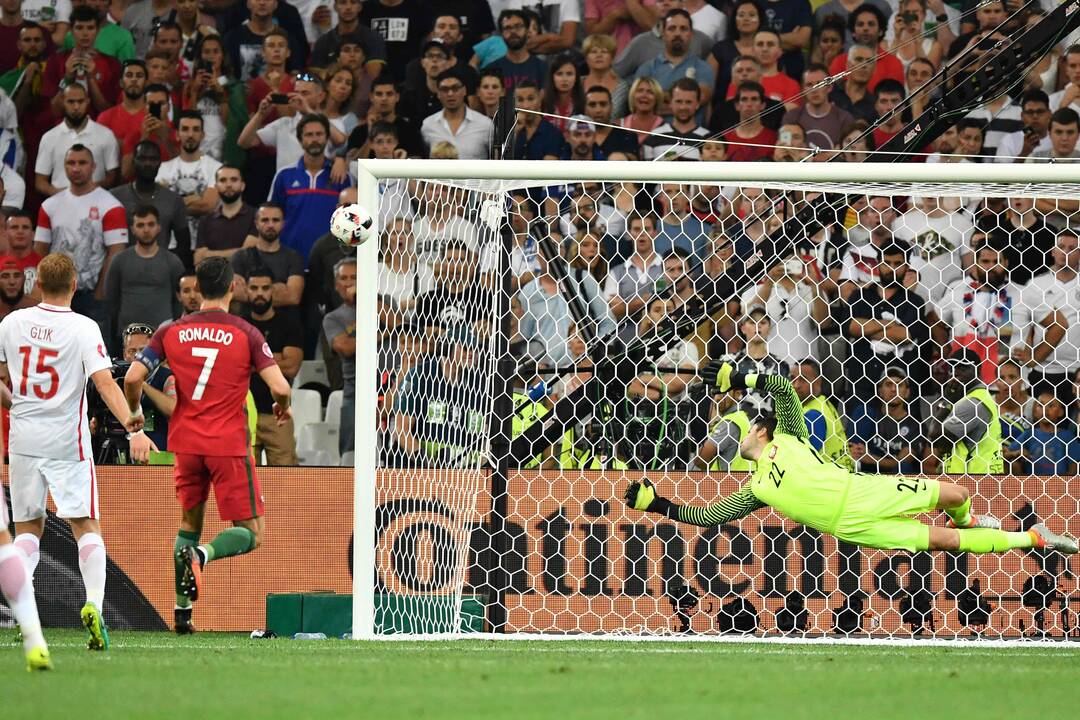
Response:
column 109, row 438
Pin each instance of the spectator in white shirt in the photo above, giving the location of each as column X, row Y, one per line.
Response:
column 191, row 174
column 631, row 284
column 457, row 123
column 1069, row 96
column 75, row 128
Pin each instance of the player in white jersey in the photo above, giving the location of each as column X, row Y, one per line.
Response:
column 47, row 354
column 17, row 588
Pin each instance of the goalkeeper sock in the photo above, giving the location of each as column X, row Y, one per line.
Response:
column 184, row 538
column 987, row 540
column 234, row 541
column 961, row 515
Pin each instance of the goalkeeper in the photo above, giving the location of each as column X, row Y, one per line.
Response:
column 868, row 510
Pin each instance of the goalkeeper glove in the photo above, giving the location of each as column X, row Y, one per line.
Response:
column 717, row 376
column 642, row 496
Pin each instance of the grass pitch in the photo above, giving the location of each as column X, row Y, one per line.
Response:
column 212, row 675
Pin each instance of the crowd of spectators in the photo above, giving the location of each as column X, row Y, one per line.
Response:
column 142, row 137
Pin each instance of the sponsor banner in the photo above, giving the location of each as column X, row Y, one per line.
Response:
column 578, row 560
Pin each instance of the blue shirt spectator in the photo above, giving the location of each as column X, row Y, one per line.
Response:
column 1049, row 446
column 546, row 142
column 309, row 201
column 690, row 235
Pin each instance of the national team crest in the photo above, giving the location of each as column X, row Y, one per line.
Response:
column 100, row 350
column 95, row 214
column 772, row 453
column 266, row 351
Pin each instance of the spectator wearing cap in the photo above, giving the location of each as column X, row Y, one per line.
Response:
column 519, row 63
column 599, row 109
column 75, row 128
column 126, row 117
column 171, row 218
column 12, row 287
column 306, row 190
column 469, row 131
column 421, row 98
column 402, row 24
column 83, row 65
column 326, row 48
column 140, row 281
column 535, row 138
column 678, row 60
column 680, row 137
column 582, row 135
column 20, row 234
column 447, row 30
column 243, row 43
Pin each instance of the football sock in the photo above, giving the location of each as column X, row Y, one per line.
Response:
column 234, row 541
column 961, row 514
column 92, row 567
column 19, row 593
column 987, row 540
column 184, row 538
column 31, row 548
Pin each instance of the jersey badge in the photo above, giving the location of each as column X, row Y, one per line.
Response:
column 101, row 350
column 95, row 214
column 266, row 351
column 772, row 453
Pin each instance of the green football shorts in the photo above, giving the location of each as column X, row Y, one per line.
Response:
column 878, row 512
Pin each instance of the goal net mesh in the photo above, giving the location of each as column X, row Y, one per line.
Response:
column 580, row 316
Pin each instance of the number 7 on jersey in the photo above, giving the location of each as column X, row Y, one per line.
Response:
column 209, row 356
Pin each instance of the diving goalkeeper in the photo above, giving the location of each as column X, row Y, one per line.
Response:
column 868, row 510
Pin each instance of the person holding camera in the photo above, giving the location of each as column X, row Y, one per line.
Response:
column 156, row 127
column 83, row 65
column 159, row 390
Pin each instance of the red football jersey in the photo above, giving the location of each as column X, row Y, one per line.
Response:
column 212, row 355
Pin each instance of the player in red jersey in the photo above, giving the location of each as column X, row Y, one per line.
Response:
column 212, row 355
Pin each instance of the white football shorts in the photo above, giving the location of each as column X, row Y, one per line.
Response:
column 72, row 484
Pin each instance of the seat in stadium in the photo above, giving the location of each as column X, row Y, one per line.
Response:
column 318, row 436
column 333, row 408
column 306, row 409
column 311, row 371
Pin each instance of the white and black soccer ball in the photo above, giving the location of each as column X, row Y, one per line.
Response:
column 352, row 225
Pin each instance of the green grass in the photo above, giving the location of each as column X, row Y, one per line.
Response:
column 155, row 675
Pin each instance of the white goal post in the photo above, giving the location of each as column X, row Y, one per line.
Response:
column 579, row 564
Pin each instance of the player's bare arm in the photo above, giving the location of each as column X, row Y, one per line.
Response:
column 164, row 400
column 133, row 387
column 280, row 390
column 114, row 399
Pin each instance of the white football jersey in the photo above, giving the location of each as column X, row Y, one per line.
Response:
column 50, row 354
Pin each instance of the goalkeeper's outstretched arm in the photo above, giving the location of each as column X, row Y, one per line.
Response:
column 789, row 410
column 642, row 496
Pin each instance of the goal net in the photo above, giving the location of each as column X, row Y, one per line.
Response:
column 536, row 337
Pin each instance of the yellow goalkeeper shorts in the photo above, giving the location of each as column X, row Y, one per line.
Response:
column 878, row 512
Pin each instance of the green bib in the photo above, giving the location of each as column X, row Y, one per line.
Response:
column 985, row 458
column 835, row 447
column 738, row 463
column 529, row 413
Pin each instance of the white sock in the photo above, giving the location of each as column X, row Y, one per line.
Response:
column 19, row 593
column 31, row 548
column 92, row 567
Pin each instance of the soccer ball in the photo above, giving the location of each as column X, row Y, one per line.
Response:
column 352, row 225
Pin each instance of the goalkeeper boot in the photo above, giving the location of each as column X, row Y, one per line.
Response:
column 182, row 622
column 37, row 658
column 192, row 581
column 95, row 625
column 978, row 521
column 1052, row 541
